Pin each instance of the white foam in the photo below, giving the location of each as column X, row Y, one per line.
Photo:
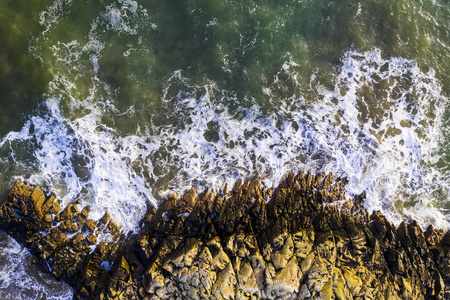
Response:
column 384, row 141
column 19, row 279
column 109, row 183
column 388, row 151
column 380, row 127
column 52, row 16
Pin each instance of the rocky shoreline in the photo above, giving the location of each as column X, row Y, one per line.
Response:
column 301, row 240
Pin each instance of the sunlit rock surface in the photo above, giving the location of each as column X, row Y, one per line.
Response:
column 301, row 240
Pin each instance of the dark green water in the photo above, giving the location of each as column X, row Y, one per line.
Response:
column 118, row 102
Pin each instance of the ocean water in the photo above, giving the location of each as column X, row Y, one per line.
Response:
column 117, row 103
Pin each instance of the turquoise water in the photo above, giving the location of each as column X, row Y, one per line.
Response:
column 120, row 102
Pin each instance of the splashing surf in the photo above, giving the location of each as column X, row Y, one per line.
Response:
column 380, row 127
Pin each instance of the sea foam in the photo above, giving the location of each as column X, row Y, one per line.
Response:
column 380, row 127
column 20, row 279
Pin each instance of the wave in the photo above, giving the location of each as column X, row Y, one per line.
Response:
column 380, row 126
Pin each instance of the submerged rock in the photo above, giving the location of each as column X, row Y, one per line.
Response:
column 302, row 240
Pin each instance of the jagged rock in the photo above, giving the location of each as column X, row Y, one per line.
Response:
column 301, row 240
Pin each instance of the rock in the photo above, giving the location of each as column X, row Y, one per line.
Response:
column 91, row 239
column 89, row 225
column 38, row 198
column 191, row 197
column 224, row 287
column 105, row 219
column 82, row 217
column 56, row 208
column 305, row 243
column 48, row 204
column 289, row 277
column 48, row 218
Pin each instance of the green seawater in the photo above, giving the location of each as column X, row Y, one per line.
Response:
column 143, row 97
column 237, row 45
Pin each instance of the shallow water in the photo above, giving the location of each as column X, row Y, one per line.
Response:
column 119, row 102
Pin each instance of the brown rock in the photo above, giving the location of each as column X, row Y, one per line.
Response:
column 289, row 277
column 191, row 197
column 225, row 284
column 82, row 217
column 48, row 204
column 105, row 219
column 91, row 239
column 66, row 225
column 89, row 225
column 38, row 198
column 48, row 218
column 56, row 208
column 66, row 214
column 303, row 243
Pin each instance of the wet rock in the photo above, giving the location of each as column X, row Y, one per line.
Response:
column 56, row 208
column 89, row 225
column 48, row 204
column 91, row 239
column 82, row 217
column 37, row 199
column 27, row 214
column 301, row 240
column 105, row 219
